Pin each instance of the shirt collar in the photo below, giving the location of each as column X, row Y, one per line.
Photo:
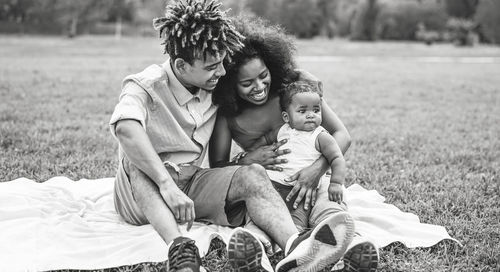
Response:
column 181, row 94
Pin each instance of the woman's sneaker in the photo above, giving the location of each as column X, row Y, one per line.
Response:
column 246, row 252
column 183, row 256
column 320, row 247
column 362, row 256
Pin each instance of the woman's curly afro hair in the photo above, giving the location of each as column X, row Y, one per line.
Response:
column 264, row 41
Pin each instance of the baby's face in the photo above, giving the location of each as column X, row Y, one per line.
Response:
column 304, row 113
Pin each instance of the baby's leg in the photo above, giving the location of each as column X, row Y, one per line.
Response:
column 324, row 207
column 300, row 215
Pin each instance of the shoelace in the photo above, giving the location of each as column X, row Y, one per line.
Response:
column 182, row 253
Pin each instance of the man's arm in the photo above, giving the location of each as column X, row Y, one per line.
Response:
column 139, row 150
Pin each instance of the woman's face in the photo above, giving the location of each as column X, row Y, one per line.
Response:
column 254, row 81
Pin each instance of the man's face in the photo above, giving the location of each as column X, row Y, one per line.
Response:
column 205, row 73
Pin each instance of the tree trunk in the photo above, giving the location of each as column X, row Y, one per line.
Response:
column 118, row 28
column 73, row 26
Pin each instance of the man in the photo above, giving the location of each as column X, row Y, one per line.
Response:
column 163, row 123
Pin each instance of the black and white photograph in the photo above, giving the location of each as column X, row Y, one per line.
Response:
column 250, row 135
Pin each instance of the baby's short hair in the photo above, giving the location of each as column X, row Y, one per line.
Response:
column 302, row 86
column 193, row 29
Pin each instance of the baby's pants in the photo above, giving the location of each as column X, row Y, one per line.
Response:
column 303, row 219
column 307, row 219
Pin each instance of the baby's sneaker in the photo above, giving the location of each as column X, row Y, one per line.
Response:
column 320, row 247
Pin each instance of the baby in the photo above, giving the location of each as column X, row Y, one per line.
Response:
column 300, row 103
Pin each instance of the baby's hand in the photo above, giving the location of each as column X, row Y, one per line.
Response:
column 335, row 192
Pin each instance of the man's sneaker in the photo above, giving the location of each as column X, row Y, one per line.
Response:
column 246, row 253
column 322, row 246
column 183, row 256
column 361, row 256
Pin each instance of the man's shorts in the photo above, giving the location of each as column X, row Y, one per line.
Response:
column 207, row 187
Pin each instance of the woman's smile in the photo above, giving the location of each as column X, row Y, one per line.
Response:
column 259, row 95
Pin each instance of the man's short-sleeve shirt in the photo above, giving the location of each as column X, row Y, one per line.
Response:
column 178, row 123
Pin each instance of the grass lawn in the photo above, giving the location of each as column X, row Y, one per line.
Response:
column 426, row 135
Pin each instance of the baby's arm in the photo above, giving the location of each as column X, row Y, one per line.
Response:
column 326, row 144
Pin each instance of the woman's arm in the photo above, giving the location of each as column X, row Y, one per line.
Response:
column 220, row 149
column 331, row 121
column 308, row 178
column 334, row 125
column 220, row 143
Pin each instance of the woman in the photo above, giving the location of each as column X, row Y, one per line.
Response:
column 249, row 113
column 249, row 109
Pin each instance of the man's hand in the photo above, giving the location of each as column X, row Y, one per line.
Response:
column 267, row 156
column 335, row 192
column 180, row 204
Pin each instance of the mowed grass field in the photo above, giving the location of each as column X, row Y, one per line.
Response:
column 426, row 130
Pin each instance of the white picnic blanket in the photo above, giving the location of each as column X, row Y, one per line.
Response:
column 65, row 224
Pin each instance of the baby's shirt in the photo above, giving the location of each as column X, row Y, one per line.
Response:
column 303, row 152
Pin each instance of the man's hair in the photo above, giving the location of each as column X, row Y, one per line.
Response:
column 262, row 40
column 302, row 86
column 194, row 29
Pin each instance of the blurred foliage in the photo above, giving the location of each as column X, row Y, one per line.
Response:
column 461, row 8
column 488, row 18
column 462, row 31
column 357, row 19
column 366, row 21
column 399, row 20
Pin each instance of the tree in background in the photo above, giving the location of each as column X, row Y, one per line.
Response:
column 56, row 16
column 488, row 18
column 365, row 21
column 328, row 26
column 78, row 14
column 357, row 19
column 119, row 11
column 301, row 18
column 461, row 8
column 400, row 20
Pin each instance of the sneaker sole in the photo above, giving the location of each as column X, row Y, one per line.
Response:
column 244, row 252
column 361, row 258
column 326, row 245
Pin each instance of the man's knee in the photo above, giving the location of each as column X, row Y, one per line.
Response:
column 251, row 177
column 141, row 185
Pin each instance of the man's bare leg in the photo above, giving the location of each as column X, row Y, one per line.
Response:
column 265, row 206
column 311, row 251
column 151, row 203
column 183, row 255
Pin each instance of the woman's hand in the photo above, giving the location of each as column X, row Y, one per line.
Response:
column 307, row 181
column 305, row 75
column 267, row 156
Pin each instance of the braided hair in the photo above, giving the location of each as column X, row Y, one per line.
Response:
column 193, row 29
column 262, row 40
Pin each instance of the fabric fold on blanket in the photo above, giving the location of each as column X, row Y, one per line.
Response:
column 66, row 224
